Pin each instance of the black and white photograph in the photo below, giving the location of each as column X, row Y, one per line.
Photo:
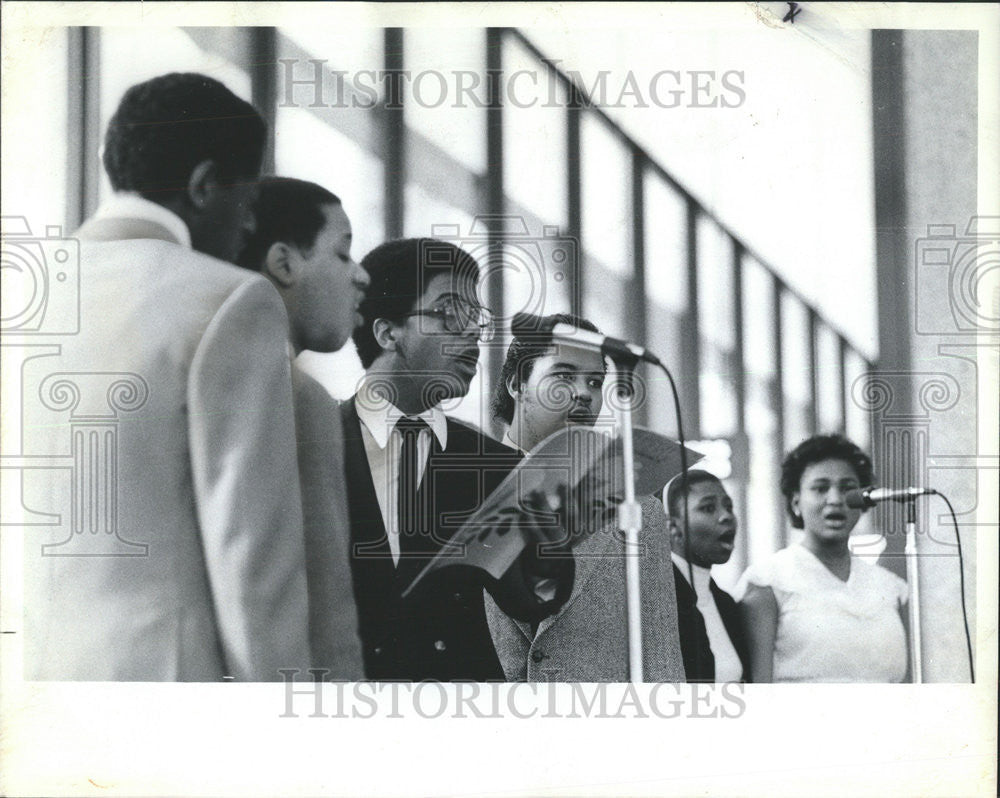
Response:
column 499, row 399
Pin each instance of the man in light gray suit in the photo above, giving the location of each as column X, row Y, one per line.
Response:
column 175, row 548
column 542, row 388
column 302, row 244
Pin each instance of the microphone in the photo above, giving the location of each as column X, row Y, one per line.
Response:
column 869, row 497
column 527, row 325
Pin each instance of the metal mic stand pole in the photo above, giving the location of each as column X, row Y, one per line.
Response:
column 630, row 520
column 913, row 580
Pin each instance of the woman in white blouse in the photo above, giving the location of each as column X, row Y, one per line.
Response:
column 812, row 612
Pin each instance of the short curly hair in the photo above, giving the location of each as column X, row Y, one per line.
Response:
column 289, row 211
column 165, row 127
column 399, row 272
column 521, row 357
column 815, row 450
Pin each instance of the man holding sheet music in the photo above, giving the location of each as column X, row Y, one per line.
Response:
column 414, row 475
column 544, row 388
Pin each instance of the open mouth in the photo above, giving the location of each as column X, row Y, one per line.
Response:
column 835, row 517
column 728, row 537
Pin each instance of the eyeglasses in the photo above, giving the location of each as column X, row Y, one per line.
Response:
column 461, row 318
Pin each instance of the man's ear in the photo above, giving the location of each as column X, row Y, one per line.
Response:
column 280, row 265
column 794, row 504
column 512, row 387
column 385, row 334
column 203, row 184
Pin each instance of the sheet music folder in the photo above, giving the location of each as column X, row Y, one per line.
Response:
column 575, row 473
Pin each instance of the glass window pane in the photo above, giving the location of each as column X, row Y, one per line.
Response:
column 534, row 135
column 319, row 84
column 427, row 215
column 866, row 539
column 828, row 387
column 606, row 171
column 447, row 92
column 758, row 320
column 346, row 169
column 351, row 50
column 539, row 268
column 604, row 299
column 796, row 377
column 716, row 378
column 716, row 383
column 665, row 289
column 764, row 520
column 858, row 417
column 715, row 285
column 666, row 245
column 34, row 148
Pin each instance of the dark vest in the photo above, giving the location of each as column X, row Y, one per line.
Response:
column 699, row 662
column 439, row 632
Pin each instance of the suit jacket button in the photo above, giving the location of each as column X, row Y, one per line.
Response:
column 458, row 597
column 439, row 645
column 538, row 656
column 378, row 649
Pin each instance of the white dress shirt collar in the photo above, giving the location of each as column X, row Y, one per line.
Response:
column 128, row 205
column 509, row 441
column 380, row 416
column 701, row 575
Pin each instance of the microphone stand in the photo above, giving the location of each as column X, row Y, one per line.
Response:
column 913, row 580
column 630, row 516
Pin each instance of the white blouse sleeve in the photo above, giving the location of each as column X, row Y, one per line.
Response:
column 760, row 574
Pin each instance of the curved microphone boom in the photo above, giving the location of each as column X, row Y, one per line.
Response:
column 527, row 325
column 869, row 497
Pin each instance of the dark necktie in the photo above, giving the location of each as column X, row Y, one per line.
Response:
column 411, row 513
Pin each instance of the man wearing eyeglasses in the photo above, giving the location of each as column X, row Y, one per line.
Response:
column 414, row 475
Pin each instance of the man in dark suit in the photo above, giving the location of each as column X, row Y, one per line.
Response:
column 302, row 244
column 712, row 641
column 414, row 475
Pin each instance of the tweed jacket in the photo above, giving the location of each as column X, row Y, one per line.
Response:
column 586, row 641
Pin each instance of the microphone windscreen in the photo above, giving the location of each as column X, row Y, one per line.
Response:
column 856, row 500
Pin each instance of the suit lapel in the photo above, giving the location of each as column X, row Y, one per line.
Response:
column 368, row 529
